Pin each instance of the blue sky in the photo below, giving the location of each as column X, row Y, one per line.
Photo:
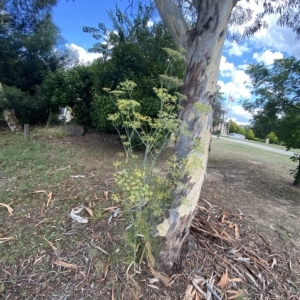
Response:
column 267, row 45
column 71, row 16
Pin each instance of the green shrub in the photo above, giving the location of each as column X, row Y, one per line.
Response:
column 249, row 134
column 72, row 88
column 241, row 130
column 272, row 138
column 233, row 127
column 103, row 105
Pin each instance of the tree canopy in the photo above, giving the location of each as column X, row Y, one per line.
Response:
column 131, row 49
column 276, row 88
column 247, row 17
column 277, row 91
column 30, row 46
column 27, row 35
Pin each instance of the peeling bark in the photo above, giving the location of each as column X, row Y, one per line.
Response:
column 203, row 46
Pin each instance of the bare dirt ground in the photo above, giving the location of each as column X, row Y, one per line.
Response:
column 260, row 187
column 257, row 185
column 244, row 244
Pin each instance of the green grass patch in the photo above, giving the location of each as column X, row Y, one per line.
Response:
column 276, row 146
column 276, row 163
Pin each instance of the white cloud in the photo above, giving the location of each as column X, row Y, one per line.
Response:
column 275, row 37
column 243, row 67
column 267, row 56
column 279, row 38
column 239, row 110
column 238, row 85
column 240, row 122
column 150, row 23
column 84, row 56
column 236, row 49
column 226, row 68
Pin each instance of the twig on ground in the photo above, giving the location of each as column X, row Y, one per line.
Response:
column 201, row 292
column 213, row 292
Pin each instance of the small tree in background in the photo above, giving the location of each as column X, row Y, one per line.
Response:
column 132, row 51
column 278, row 94
column 272, row 138
column 72, row 88
column 233, row 127
column 249, row 134
column 289, row 133
column 265, row 121
column 241, row 130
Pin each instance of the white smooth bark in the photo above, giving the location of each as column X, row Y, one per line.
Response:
column 173, row 20
column 203, row 46
column 11, row 120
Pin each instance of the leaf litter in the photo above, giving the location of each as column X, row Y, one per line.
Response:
column 239, row 266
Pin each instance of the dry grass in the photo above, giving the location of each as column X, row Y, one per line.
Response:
column 57, row 132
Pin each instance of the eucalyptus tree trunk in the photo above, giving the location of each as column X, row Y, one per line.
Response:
column 203, row 45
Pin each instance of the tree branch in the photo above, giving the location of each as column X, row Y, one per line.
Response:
column 284, row 101
column 174, row 20
column 3, row 3
column 291, row 105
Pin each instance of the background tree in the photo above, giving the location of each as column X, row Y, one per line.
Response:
column 241, row 130
column 277, row 92
column 249, row 134
column 136, row 52
column 276, row 88
column 273, row 139
column 264, row 121
column 200, row 28
column 72, row 88
column 28, row 108
column 289, row 133
column 27, row 37
column 30, row 46
column 233, row 127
